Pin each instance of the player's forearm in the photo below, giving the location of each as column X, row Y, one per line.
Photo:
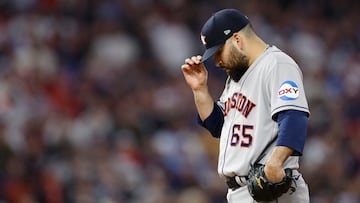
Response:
column 279, row 155
column 274, row 165
column 204, row 102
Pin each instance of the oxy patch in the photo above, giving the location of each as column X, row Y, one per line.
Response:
column 288, row 90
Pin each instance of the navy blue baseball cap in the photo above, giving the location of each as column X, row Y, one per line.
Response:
column 220, row 27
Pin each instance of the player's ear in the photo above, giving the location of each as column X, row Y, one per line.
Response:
column 238, row 40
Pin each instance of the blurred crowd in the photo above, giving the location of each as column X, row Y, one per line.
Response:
column 94, row 108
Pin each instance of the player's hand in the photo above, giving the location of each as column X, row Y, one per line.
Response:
column 273, row 169
column 195, row 73
column 274, row 173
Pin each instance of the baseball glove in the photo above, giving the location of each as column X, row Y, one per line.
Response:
column 263, row 190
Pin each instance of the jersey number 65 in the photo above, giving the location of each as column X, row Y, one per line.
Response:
column 241, row 134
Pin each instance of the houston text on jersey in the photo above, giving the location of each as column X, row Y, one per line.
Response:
column 239, row 102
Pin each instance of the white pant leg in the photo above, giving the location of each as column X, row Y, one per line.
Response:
column 241, row 195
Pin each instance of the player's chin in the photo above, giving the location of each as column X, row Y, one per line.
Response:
column 227, row 70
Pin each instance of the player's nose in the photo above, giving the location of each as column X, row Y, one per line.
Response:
column 218, row 63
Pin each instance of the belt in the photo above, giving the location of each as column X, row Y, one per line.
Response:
column 236, row 182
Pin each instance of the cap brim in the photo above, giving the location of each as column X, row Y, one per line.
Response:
column 210, row 52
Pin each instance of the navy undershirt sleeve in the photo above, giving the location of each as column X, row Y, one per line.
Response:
column 214, row 122
column 292, row 130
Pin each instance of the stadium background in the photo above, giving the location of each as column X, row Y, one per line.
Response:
column 93, row 106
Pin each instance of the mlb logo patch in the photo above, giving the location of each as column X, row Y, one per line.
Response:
column 288, row 90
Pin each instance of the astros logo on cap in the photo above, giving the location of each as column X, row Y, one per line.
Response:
column 203, row 39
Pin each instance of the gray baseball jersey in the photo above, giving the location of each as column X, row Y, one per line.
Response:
column 273, row 83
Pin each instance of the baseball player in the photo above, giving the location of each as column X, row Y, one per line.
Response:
column 261, row 116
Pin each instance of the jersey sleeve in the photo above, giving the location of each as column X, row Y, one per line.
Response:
column 287, row 89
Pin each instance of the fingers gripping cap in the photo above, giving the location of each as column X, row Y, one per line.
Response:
column 220, row 27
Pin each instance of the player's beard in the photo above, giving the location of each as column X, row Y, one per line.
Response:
column 237, row 65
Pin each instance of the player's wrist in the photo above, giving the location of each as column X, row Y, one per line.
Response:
column 274, row 173
column 203, row 89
